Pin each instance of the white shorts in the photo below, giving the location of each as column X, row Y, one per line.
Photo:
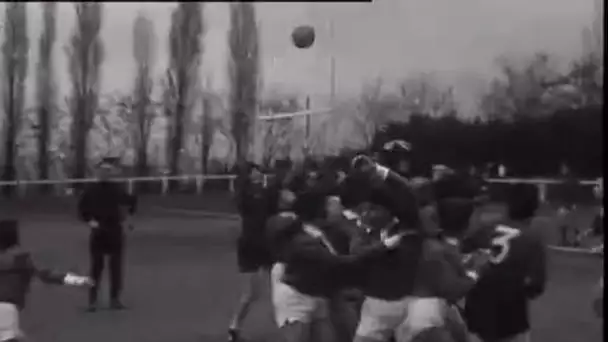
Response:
column 9, row 322
column 404, row 318
column 290, row 305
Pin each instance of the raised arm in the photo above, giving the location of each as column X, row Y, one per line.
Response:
column 403, row 202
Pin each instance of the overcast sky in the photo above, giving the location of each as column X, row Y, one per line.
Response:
column 458, row 39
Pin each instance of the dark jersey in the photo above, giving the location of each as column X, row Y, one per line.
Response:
column 16, row 273
column 107, row 203
column 255, row 203
column 497, row 306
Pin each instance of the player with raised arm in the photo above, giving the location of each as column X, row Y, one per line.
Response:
column 16, row 273
column 256, row 203
column 496, row 308
column 388, row 282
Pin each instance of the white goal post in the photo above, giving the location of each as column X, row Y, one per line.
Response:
column 200, row 179
column 306, row 113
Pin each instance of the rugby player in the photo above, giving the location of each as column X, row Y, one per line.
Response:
column 387, row 282
column 311, row 270
column 255, row 204
column 443, row 278
column 496, row 308
column 16, row 273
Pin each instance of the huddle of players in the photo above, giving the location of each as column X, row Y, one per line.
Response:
column 335, row 278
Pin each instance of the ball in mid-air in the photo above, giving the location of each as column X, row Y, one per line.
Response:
column 303, row 36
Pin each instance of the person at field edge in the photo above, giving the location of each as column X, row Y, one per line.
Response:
column 105, row 206
column 256, row 203
column 17, row 270
column 567, row 197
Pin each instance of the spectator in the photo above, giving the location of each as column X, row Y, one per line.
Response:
column 567, row 196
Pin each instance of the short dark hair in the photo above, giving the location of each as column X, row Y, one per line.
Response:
column 454, row 214
column 9, row 234
column 522, row 201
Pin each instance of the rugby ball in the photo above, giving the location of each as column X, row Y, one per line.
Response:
column 303, row 36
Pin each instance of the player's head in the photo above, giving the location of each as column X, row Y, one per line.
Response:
column 396, row 154
column 287, row 198
column 108, row 167
column 9, row 234
column 311, row 204
column 333, row 207
column 522, row 201
column 454, row 215
column 255, row 174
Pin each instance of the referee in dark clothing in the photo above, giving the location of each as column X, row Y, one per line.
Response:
column 104, row 206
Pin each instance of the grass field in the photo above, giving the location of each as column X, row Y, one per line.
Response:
column 182, row 282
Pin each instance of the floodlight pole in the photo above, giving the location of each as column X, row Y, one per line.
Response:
column 307, row 127
column 332, row 64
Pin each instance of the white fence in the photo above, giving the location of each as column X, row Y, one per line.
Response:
column 64, row 187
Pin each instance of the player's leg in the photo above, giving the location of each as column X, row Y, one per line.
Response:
column 96, row 266
column 522, row 337
column 250, row 268
column 379, row 319
column 295, row 332
column 116, row 275
column 344, row 317
column 10, row 330
column 295, row 312
column 456, row 324
column 426, row 316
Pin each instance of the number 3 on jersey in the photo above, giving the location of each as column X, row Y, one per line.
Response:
column 502, row 242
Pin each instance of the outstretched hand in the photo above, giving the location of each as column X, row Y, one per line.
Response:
column 76, row 280
column 363, row 164
column 392, row 241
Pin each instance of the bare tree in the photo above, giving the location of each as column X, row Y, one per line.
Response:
column 520, row 90
column 46, row 87
column 143, row 51
column 244, row 69
column 207, row 127
column 185, row 42
column 422, row 94
column 15, row 50
column 85, row 55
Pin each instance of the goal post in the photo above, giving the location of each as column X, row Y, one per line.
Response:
column 306, row 114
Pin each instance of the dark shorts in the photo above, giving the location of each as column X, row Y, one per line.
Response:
column 252, row 255
column 106, row 243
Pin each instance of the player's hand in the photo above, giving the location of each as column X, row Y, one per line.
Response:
column 478, row 260
column 363, row 164
column 391, row 242
column 76, row 280
column 93, row 224
column 351, row 215
column 562, row 211
column 419, row 182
